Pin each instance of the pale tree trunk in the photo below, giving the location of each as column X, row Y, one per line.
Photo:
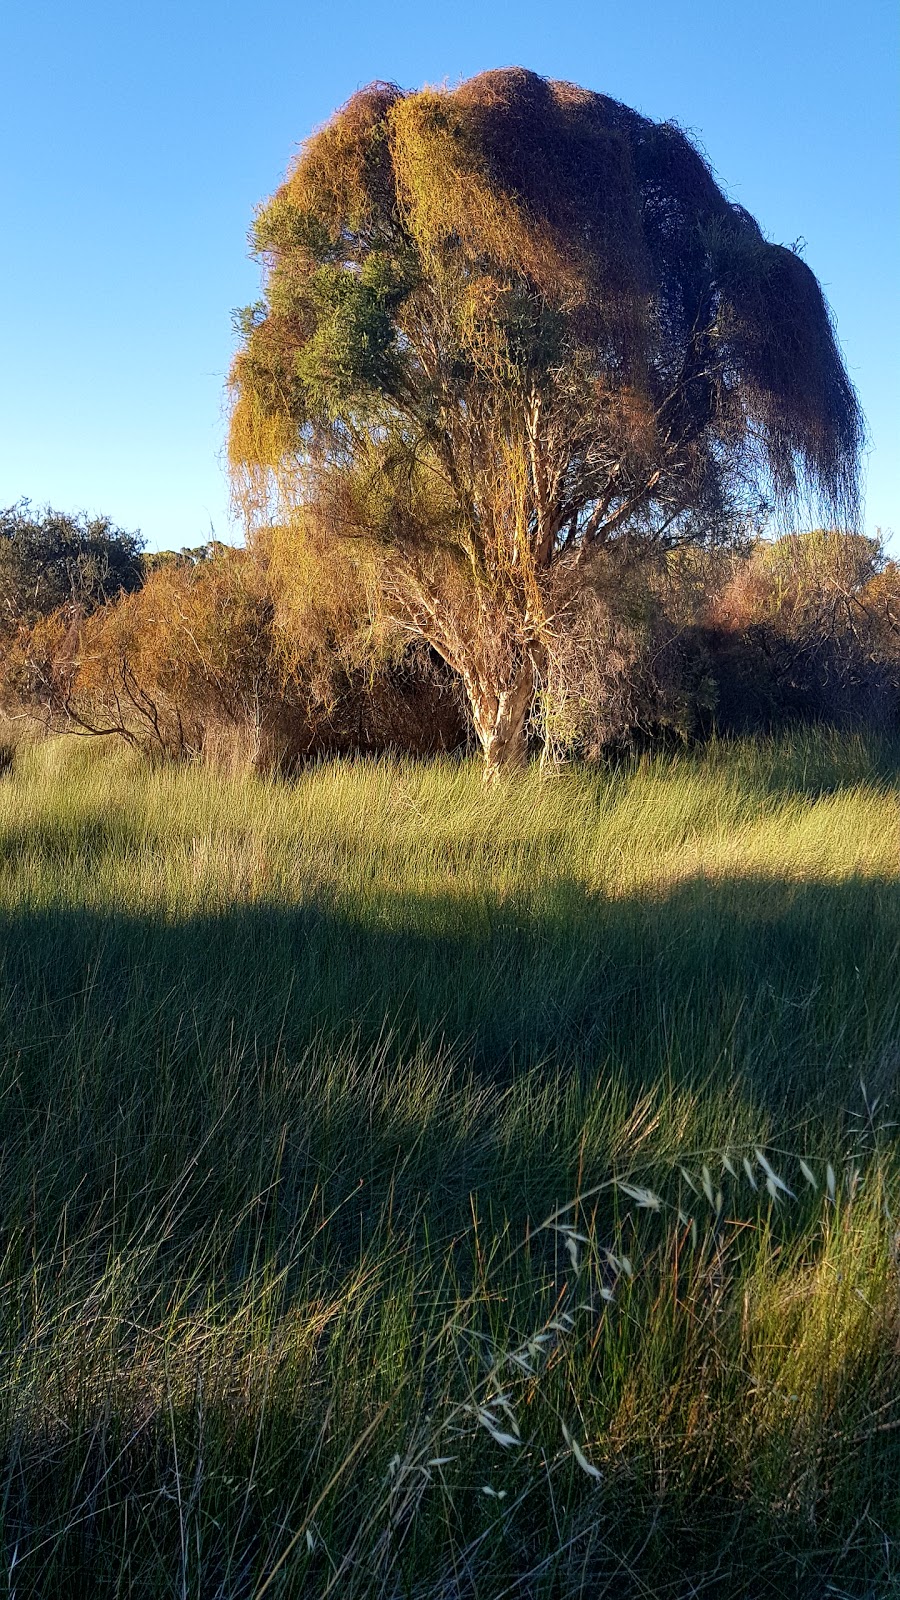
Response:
column 498, row 655
column 500, row 717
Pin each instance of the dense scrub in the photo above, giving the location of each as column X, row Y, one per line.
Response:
column 213, row 652
column 272, row 654
column 413, row 1190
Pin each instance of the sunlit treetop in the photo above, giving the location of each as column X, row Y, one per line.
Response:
column 516, row 231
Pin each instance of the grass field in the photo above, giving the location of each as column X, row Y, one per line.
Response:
column 413, row 1191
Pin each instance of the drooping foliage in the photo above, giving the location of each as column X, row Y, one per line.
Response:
column 506, row 324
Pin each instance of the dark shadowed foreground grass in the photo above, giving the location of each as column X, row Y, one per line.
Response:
column 412, row 1191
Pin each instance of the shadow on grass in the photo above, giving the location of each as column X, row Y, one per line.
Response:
column 273, row 1066
column 810, row 761
column 467, row 1044
column 781, row 979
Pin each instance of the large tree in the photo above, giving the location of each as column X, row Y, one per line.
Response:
column 508, row 330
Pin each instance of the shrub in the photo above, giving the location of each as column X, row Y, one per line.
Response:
column 629, row 664
column 804, row 629
column 205, row 661
column 189, row 652
column 275, row 653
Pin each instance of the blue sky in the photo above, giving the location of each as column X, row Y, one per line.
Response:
column 137, row 139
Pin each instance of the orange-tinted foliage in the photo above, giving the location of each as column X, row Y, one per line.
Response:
column 241, row 656
column 202, row 662
column 525, row 183
column 507, row 327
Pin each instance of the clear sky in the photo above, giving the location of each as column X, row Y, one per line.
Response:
column 138, row 137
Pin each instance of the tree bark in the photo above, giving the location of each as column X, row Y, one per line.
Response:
column 500, row 717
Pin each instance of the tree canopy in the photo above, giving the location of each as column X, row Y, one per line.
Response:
column 511, row 331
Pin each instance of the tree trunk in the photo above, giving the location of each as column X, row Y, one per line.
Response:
column 500, row 717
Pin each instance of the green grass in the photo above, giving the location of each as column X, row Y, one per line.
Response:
column 351, row 1122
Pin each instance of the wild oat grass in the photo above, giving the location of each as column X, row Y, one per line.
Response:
column 409, row 1190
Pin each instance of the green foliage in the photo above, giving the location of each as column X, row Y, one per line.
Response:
column 351, row 348
column 50, row 559
column 378, row 1119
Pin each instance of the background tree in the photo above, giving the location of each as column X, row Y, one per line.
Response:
column 50, row 559
column 56, row 570
column 507, row 330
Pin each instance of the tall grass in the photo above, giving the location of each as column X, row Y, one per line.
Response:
column 409, row 1190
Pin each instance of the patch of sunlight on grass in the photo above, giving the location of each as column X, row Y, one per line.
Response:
column 179, row 840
